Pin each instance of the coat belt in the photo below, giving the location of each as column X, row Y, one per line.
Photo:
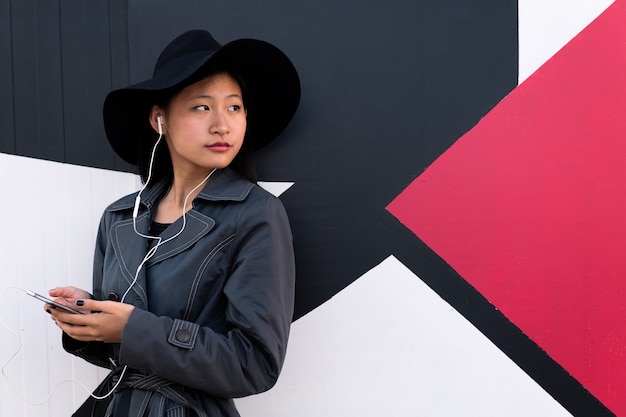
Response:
column 153, row 383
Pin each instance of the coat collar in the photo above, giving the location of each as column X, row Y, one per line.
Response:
column 224, row 185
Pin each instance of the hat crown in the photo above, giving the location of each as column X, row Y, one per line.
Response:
column 185, row 49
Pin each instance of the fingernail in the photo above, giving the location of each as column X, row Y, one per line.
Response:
column 48, row 311
column 79, row 302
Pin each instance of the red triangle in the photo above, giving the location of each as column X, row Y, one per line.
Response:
column 530, row 207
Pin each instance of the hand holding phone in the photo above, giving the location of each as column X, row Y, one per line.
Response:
column 53, row 303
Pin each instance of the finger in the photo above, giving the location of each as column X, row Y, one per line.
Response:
column 86, row 327
column 93, row 305
column 83, row 333
column 49, row 308
column 57, row 292
column 73, row 319
column 54, row 312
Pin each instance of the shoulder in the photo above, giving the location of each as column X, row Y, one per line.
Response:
column 261, row 192
column 228, row 186
column 119, row 210
column 126, row 202
column 150, row 195
column 263, row 207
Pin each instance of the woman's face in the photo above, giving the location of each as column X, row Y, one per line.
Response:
column 205, row 124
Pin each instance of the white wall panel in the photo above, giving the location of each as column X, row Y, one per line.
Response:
column 51, row 213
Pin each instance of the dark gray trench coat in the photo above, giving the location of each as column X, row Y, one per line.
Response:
column 213, row 306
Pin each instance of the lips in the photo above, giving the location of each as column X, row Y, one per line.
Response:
column 219, row 146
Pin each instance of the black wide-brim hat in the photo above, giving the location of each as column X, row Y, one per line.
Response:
column 272, row 89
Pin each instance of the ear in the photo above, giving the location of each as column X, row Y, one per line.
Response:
column 155, row 113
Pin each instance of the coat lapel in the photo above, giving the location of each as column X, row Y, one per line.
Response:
column 130, row 251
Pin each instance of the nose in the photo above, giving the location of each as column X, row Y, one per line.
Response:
column 219, row 124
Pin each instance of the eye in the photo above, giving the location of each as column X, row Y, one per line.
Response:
column 234, row 107
column 202, row 107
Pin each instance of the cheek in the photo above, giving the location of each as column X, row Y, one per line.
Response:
column 183, row 131
column 242, row 129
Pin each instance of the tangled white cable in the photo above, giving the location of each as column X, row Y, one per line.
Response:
column 18, row 337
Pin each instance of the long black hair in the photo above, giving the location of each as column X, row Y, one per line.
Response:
column 243, row 163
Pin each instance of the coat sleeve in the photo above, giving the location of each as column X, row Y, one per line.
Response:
column 260, row 294
column 97, row 353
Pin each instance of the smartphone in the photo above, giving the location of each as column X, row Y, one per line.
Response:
column 53, row 303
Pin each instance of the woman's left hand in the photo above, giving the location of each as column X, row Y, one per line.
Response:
column 106, row 325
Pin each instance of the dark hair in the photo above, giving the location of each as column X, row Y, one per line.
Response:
column 243, row 163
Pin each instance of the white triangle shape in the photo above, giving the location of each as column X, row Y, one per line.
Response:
column 546, row 26
column 276, row 188
column 387, row 345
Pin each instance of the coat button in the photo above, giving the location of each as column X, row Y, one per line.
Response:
column 183, row 335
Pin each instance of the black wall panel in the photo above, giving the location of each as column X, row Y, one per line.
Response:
column 7, row 142
column 59, row 59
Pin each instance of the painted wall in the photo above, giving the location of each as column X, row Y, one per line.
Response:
column 452, row 176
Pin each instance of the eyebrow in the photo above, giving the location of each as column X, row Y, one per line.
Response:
column 234, row 95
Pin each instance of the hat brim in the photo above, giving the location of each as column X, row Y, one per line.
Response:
column 272, row 95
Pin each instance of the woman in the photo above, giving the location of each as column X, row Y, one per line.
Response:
column 194, row 275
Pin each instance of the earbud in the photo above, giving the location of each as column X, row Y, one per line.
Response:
column 136, row 208
column 138, row 198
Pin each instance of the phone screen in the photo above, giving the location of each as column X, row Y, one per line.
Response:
column 53, row 303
